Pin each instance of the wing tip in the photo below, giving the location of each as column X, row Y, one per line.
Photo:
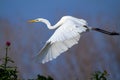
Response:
column 48, row 60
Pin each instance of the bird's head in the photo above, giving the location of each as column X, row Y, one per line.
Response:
column 36, row 20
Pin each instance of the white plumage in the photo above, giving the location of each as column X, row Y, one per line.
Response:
column 66, row 35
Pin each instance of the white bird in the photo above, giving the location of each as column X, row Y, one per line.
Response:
column 67, row 34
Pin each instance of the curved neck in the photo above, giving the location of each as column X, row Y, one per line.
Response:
column 49, row 25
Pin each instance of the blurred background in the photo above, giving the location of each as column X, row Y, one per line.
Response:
column 95, row 51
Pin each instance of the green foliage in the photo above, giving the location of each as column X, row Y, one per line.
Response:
column 7, row 72
column 40, row 77
column 98, row 75
column 10, row 72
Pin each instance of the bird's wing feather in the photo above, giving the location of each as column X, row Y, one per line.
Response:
column 64, row 37
column 51, row 51
column 67, row 31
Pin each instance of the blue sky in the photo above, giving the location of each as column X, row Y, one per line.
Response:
column 98, row 13
column 14, row 9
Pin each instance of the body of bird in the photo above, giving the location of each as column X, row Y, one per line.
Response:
column 67, row 34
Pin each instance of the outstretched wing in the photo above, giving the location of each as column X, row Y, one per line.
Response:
column 64, row 37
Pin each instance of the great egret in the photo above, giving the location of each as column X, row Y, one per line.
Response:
column 67, row 34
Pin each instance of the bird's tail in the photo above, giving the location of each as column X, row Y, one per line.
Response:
column 105, row 32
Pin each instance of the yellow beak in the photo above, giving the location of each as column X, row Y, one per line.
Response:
column 32, row 21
